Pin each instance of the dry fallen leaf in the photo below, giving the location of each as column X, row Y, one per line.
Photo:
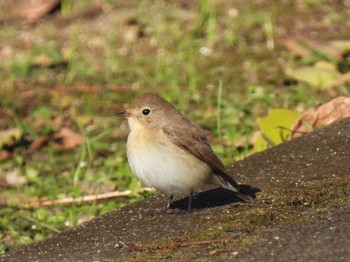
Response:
column 303, row 46
column 10, row 137
column 39, row 143
column 293, row 45
column 326, row 114
column 37, row 9
column 64, row 139
column 5, row 154
column 67, row 139
column 323, row 47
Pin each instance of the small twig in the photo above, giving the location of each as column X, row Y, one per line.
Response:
column 76, row 200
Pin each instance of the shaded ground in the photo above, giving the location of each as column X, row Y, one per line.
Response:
column 302, row 214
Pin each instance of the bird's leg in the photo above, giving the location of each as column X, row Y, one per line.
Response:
column 169, row 202
column 189, row 207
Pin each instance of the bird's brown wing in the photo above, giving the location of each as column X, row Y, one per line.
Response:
column 191, row 138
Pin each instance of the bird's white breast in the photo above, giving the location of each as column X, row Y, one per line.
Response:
column 159, row 163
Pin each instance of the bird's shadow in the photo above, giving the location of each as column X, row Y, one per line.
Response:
column 214, row 198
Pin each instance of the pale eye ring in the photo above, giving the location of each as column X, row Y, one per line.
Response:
column 146, row 111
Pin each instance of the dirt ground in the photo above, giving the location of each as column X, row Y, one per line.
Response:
column 301, row 214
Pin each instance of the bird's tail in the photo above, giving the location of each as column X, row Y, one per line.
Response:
column 238, row 191
column 229, row 183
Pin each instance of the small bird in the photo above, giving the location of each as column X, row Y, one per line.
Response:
column 169, row 152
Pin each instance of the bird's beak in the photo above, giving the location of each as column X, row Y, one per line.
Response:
column 124, row 114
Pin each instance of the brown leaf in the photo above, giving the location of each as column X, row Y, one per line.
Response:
column 326, row 114
column 67, row 139
column 39, row 143
column 323, row 47
column 293, row 45
column 303, row 46
column 4, row 155
column 39, row 9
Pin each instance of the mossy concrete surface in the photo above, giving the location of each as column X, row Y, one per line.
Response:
column 301, row 214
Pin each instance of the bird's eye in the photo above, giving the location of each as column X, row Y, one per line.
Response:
column 146, row 111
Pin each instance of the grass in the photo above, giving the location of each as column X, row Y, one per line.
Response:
column 217, row 62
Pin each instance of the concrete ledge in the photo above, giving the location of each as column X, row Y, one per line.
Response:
column 302, row 214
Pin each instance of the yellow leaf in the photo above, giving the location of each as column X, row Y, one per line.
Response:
column 275, row 128
column 9, row 137
column 322, row 75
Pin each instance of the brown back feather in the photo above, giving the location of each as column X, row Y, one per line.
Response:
column 192, row 139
